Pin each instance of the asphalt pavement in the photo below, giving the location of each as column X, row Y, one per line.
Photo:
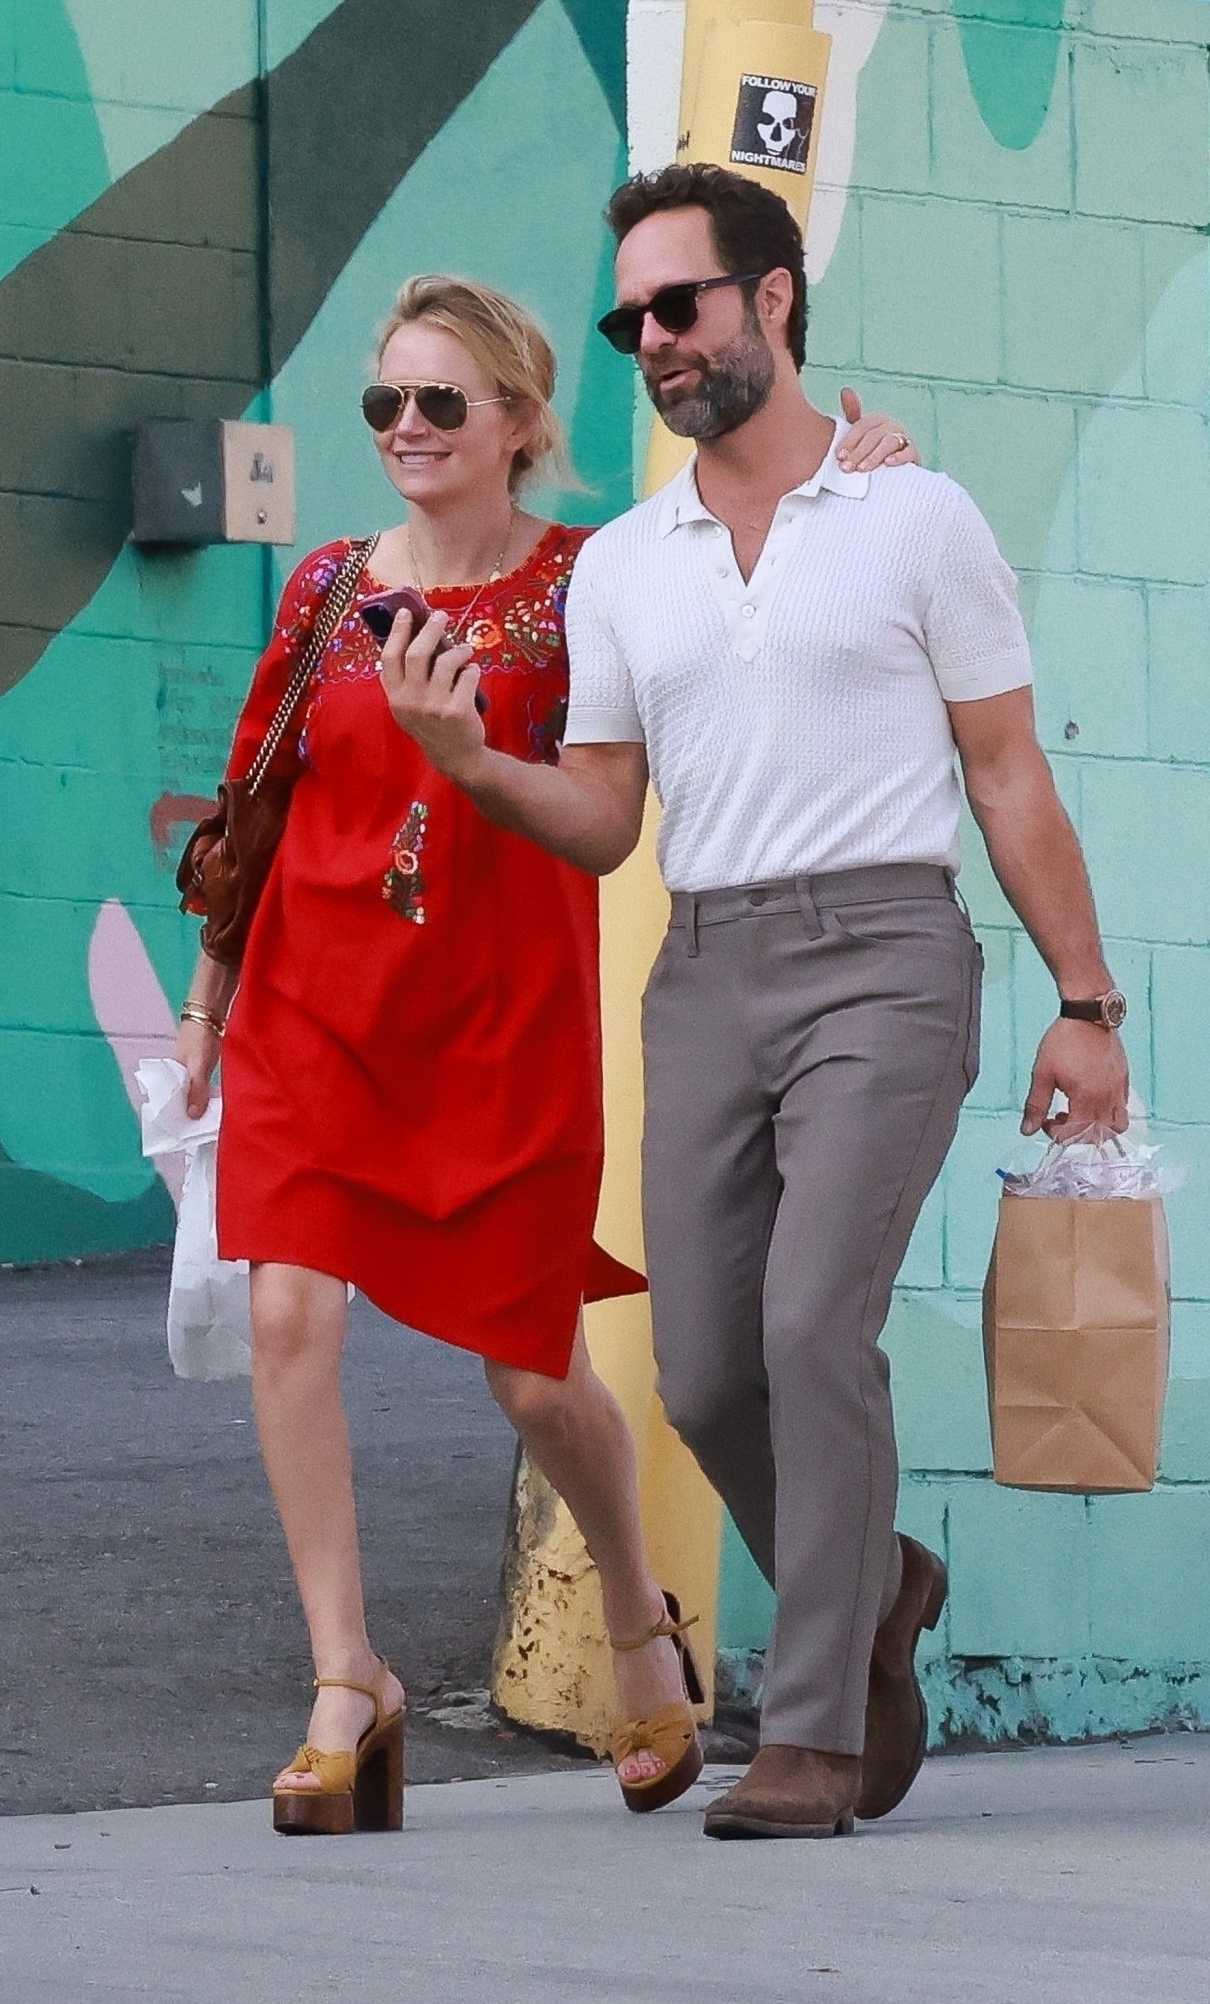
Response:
column 153, row 1650
column 1057, row 1876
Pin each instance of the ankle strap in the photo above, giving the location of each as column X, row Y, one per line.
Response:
column 665, row 1627
column 346, row 1684
column 373, row 1691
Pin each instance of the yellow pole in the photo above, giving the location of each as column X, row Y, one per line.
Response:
column 738, row 55
column 752, row 84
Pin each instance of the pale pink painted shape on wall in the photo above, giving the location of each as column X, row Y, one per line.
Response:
column 131, row 1009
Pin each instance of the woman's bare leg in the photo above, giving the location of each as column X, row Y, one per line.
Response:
column 298, row 1332
column 575, row 1432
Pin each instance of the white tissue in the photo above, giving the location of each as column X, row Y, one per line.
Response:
column 167, row 1128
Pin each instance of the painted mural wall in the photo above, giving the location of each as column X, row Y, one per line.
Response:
column 1008, row 249
column 204, row 212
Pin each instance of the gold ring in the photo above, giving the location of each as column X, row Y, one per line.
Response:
column 904, row 441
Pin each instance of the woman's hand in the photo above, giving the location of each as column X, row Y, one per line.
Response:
column 198, row 1048
column 872, row 441
column 431, row 695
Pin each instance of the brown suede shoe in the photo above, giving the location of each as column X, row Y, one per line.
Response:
column 896, row 1721
column 789, row 1792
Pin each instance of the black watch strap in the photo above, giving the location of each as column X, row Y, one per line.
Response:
column 1107, row 1010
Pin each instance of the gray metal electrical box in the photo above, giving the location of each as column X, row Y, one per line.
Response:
column 213, row 481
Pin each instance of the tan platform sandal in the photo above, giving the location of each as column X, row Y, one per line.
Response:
column 671, row 1733
column 362, row 1790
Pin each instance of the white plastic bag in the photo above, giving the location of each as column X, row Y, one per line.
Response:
column 209, row 1313
column 209, row 1309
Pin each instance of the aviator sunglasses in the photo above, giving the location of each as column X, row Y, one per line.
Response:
column 441, row 404
column 673, row 306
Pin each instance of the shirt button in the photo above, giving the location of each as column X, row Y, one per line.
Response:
column 749, row 611
column 722, row 570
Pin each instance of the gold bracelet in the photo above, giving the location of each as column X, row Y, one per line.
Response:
column 197, row 1012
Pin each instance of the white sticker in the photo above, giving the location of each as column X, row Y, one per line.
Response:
column 773, row 121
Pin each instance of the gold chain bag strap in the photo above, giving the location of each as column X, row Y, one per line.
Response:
column 226, row 860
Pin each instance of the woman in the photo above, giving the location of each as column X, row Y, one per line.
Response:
column 412, row 1094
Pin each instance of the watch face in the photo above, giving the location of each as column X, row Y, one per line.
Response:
column 1113, row 1009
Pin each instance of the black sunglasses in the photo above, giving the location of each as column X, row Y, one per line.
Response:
column 673, row 306
column 441, row 404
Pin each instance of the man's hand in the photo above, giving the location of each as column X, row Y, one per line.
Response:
column 431, row 695
column 873, row 441
column 1088, row 1064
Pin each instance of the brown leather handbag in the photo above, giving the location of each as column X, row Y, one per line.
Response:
column 226, row 860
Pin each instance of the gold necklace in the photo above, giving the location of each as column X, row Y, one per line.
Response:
column 455, row 632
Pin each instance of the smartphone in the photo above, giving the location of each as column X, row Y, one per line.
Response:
column 379, row 614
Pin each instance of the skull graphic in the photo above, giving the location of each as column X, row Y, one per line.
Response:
column 779, row 126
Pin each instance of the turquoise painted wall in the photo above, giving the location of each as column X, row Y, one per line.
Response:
column 1023, row 274
column 206, row 212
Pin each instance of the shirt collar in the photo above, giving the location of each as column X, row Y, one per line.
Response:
column 680, row 501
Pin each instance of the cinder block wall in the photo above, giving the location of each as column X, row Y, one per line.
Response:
column 129, row 286
column 1022, row 273
column 205, row 212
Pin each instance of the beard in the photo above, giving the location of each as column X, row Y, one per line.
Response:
column 730, row 389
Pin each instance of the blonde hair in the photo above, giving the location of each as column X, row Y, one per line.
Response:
column 508, row 343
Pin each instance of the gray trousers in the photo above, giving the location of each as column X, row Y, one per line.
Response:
column 807, row 1048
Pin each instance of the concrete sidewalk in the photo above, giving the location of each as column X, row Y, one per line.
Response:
column 1056, row 1876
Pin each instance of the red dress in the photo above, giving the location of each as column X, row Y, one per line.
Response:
column 412, row 1069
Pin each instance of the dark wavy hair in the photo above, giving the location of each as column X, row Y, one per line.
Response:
column 752, row 227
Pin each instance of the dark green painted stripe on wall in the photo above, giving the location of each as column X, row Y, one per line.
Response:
column 601, row 27
column 122, row 308
column 42, row 1215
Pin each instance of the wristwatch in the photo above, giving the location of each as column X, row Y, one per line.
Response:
column 1107, row 1010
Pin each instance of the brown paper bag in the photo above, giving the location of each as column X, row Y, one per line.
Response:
column 1075, row 1330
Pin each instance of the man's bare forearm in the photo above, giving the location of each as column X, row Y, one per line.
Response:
column 571, row 813
column 1036, row 855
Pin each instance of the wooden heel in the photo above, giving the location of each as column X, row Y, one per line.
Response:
column 378, row 1788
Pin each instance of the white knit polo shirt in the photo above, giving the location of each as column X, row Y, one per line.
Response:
column 796, row 723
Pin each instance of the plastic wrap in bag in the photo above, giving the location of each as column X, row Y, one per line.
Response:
column 1087, row 1169
column 209, row 1317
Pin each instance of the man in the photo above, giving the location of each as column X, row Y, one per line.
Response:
column 796, row 651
